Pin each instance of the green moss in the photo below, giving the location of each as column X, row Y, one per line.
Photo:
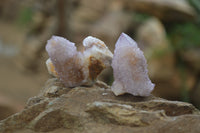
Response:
column 140, row 17
column 185, row 36
column 184, row 88
column 25, row 16
column 195, row 4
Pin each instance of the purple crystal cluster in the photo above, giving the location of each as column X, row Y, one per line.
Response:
column 130, row 69
column 65, row 58
column 76, row 68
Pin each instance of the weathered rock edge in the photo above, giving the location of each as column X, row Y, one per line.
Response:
column 96, row 109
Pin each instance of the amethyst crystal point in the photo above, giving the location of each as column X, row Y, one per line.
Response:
column 65, row 57
column 76, row 68
column 130, row 69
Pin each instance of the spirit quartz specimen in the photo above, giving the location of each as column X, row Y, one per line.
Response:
column 130, row 69
column 75, row 68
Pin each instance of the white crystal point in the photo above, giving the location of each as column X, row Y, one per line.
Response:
column 61, row 45
column 98, row 48
column 130, row 69
column 91, row 41
column 126, row 40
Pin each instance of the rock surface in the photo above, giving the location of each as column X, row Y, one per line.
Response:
column 96, row 110
column 163, row 9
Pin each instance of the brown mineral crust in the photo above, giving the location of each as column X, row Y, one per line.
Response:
column 133, row 60
column 76, row 73
column 95, row 67
column 99, row 45
column 52, row 67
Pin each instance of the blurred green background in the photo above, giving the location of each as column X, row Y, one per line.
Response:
column 166, row 30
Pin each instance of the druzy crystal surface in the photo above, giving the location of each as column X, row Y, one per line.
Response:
column 75, row 68
column 130, row 69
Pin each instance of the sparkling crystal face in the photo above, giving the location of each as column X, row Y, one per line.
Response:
column 130, row 69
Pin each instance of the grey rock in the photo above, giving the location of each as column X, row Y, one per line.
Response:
column 167, row 10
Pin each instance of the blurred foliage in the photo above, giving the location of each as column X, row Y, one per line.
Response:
column 25, row 16
column 195, row 4
column 160, row 52
column 140, row 17
column 184, row 88
column 185, row 36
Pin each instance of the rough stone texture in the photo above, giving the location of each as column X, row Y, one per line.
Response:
column 96, row 109
column 163, row 9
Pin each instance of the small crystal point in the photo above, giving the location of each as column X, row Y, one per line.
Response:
column 126, row 40
column 130, row 69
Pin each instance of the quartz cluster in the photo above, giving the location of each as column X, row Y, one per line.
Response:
column 75, row 68
column 130, row 69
